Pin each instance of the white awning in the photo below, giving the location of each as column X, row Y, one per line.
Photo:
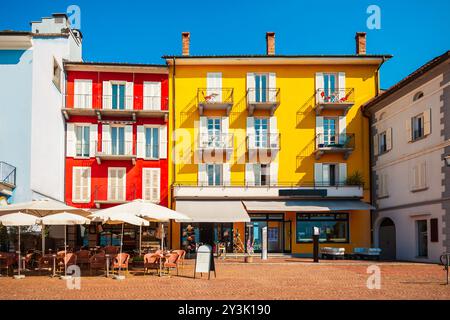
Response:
column 213, row 211
column 306, row 205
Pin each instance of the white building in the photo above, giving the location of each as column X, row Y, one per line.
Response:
column 32, row 129
column 410, row 125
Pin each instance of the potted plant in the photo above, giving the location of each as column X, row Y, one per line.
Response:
column 355, row 179
column 250, row 250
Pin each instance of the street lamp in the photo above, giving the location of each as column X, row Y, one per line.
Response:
column 447, row 160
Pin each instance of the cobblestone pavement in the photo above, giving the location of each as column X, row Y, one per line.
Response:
column 273, row 279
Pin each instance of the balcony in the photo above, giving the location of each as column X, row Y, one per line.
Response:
column 267, row 99
column 7, row 178
column 263, row 148
column 115, row 150
column 108, row 195
column 127, row 107
column 339, row 143
column 192, row 190
column 215, row 148
column 336, row 99
column 215, row 99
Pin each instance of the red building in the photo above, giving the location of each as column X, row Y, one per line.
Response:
column 116, row 140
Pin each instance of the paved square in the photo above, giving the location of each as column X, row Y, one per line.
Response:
column 277, row 278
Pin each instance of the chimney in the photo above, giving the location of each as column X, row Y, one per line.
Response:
column 270, row 43
column 360, row 43
column 185, row 38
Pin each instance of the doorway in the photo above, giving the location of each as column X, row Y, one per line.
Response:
column 422, row 238
column 387, row 239
column 278, row 233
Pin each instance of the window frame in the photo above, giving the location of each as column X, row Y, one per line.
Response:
column 214, row 165
column 82, row 125
column 124, row 183
column 335, row 214
column 380, row 144
column 422, row 128
column 88, row 186
column 152, row 127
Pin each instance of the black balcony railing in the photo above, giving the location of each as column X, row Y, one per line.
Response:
column 263, row 96
column 7, row 173
column 207, row 96
column 279, row 184
column 335, row 141
column 115, row 148
column 335, row 96
column 263, row 141
column 216, row 141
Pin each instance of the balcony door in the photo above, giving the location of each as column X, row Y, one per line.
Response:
column 261, row 87
column 82, row 134
column 329, row 131
column 330, row 86
column 214, row 87
column 118, row 96
column 261, row 132
column 118, row 140
column 214, row 173
column 116, row 184
column 214, row 126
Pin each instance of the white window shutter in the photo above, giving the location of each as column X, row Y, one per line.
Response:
column 71, row 140
column 342, row 129
column 152, row 95
column 129, row 139
column 226, row 174
column 427, row 122
column 318, row 174
column 86, row 180
column 319, row 131
column 224, row 126
column 408, row 130
column 146, row 184
column 93, row 137
column 273, row 133
column 122, row 183
column 140, row 142
column 203, row 130
column 147, row 96
column 249, row 174
column 341, row 85
column 376, row 146
column 273, row 174
column 106, row 137
column 319, row 86
column 163, row 142
column 388, row 139
column 423, row 175
column 107, row 95
column 156, row 183
column 251, row 86
column 342, row 173
column 214, row 85
column 88, row 91
column 272, row 87
column 76, row 184
column 251, row 132
column 129, row 96
column 202, row 175
column 78, row 94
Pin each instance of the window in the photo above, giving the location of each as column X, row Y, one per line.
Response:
column 152, row 95
column 151, row 184
column 330, row 174
column 81, row 184
column 214, row 172
column 334, row 227
column 330, row 83
column 118, row 140
column 118, row 96
column 82, row 94
column 82, row 144
column 419, row 177
column 418, row 95
column 329, row 131
column 152, row 142
column 417, row 127
column 383, row 185
column 261, row 132
column 116, row 184
column 262, row 174
column 382, row 142
column 261, row 87
column 57, row 74
column 422, row 238
column 214, row 132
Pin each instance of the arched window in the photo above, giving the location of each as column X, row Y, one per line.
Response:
column 418, row 95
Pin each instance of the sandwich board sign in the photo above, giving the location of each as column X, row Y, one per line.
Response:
column 204, row 262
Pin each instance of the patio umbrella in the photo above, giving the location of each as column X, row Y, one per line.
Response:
column 108, row 217
column 41, row 208
column 64, row 219
column 18, row 219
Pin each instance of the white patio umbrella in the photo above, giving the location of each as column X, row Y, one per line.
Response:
column 64, row 219
column 41, row 208
column 105, row 216
column 18, row 219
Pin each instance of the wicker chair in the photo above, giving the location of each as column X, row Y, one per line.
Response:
column 97, row 262
column 83, row 257
column 151, row 261
column 171, row 262
column 112, row 250
column 181, row 257
column 120, row 261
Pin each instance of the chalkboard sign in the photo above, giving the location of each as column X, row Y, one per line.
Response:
column 204, row 262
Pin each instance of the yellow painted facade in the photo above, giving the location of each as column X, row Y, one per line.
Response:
column 296, row 123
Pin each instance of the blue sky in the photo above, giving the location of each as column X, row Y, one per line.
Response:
column 413, row 31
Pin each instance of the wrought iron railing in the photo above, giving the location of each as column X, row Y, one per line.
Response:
column 263, row 96
column 215, row 95
column 108, row 102
column 335, row 96
column 216, row 141
column 301, row 184
column 263, row 141
column 115, row 148
column 335, row 141
column 7, row 173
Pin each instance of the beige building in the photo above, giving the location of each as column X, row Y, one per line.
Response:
column 410, row 126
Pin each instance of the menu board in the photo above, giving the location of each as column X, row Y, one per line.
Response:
column 204, row 262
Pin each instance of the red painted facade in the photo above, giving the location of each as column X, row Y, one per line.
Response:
column 99, row 171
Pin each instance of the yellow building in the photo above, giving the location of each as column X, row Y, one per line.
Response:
column 276, row 141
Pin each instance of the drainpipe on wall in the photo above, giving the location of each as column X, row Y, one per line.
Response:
column 173, row 144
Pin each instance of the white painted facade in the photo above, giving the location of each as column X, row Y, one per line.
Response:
column 399, row 196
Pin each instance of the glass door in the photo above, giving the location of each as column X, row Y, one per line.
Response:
column 329, row 131
column 422, row 237
column 261, row 85
column 214, row 132
column 330, row 87
column 118, row 96
column 118, row 140
column 261, row 130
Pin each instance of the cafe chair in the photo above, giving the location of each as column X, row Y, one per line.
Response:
column 120, row 262
column 151, row 261
column 97, row 262
column 171, row 262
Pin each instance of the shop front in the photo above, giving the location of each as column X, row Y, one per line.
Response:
column 278, row 232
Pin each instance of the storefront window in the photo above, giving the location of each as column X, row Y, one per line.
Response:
column 334, row 228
